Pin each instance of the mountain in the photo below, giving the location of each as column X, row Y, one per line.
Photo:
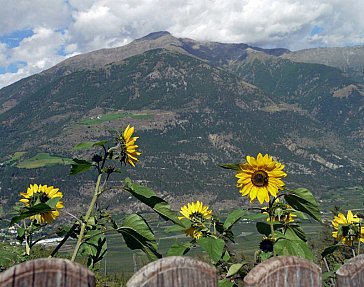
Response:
column 194, row 105
column 350, row 60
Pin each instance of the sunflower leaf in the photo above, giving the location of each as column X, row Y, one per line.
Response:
column 175, row 228
column 80, row 165
column 302, row 199
column 265, row 229
column 100, row 143
column 149, row 197
column 53, row 202
column 234, row 217
column 330, row 249
column 138, row 235
column 225, row 283
column 213, row 246
column 88, row 145
column 179, row 249
column 235, row 268
column 287, row 247
column 30, row 211
column 94, row 246
column 233, row 166
column 295, row 232
column 83, row 145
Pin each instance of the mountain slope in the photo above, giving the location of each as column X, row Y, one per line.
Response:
column 348, row 59
column 194, row 105
column 328, row 95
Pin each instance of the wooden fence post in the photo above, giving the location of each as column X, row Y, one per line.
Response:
column 284, row 271
column 175, row 271
column 44, row 272
column 351, row 274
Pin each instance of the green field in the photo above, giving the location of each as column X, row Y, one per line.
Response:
column 120, row 259
column 344, row 198
column 42, row 160
column 114, row 116
column 15, row 157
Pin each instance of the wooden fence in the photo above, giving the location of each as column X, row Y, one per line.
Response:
column 47, row 272
column 175, row 271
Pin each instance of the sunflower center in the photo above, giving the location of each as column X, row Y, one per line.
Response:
column 196, row 216
column 260, row 178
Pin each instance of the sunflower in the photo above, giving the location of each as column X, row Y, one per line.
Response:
column 41, row 194
column 260, row 177
column 194, row 233
column 267, row 244
column 195, row 211
column 347, row 229
column 281, row 212
column 129, row 151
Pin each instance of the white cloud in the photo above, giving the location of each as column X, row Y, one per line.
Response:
column 93, row 24
column 42, row 46
column 23, row 14
column 3, row 54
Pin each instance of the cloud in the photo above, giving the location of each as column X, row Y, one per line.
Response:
column 42, row 46
column 61, row 28
column 22, row 14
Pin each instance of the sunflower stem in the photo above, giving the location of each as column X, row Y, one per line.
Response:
column 86, row 218
column 328, row 270
column 358, row 253
column 271, row 217
column 65, row 238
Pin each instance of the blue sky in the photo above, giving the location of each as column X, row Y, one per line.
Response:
column 35, row 35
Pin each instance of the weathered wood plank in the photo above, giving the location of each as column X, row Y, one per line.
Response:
column 284, row 271
column 175, row 271
column 47, row 272
column 351, row 274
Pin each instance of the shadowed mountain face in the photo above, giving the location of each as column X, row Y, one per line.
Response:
column 194, row 105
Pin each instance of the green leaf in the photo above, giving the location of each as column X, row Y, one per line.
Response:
column 30, row 211
column 286, row 247
column 233, row 166
column 226, row 256
column 234, row 217
column 9, row 256
column 139, row 225
column 213, row 246
column 100, row 143
column 225, row 283
column 53, row 202
column 235, row 268
column 83, row 146
column 265, row 255
column 302, row 199
column 179, row 249
column 80, row 165
column 328, row 275
column 94, row 247
column 148, row 197
column 138, row 235
column 88, row 145
column 295, row 232
column 265, row 229
column 330, row 249
column 174, row 228
column 20, row 231
column 240, row 213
